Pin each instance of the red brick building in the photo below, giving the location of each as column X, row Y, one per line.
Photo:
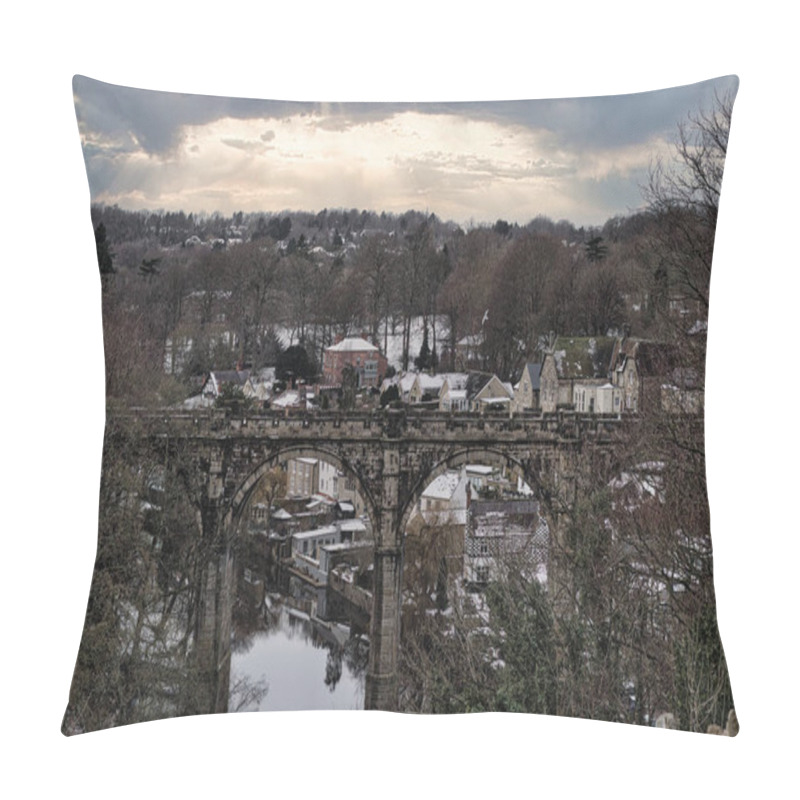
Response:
column 367, row 360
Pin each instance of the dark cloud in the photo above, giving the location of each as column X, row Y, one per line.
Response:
column 611, row 121
column 153, row 121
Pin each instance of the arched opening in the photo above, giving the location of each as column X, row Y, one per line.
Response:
column 302, row 524
column 470, row 522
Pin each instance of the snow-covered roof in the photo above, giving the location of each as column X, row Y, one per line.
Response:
column 281, row 513
column 345, row 506
column 456, row 380
column 407, row 381
column 443, row 487
column 430, row 383
column 493, row 401
column 327, row 530
column 289, row 398
column 353, row 344
column 352, row 525
column 479, row 469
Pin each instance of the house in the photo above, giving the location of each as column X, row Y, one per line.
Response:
column 365, row 358
column 526, row 392
column 302, row 477
column 425, row 388
column 569, row 361
column 216, row 380
column 597, row 397
column 258, row 385
column 649, row 376
column 328, row 480
column 403, row 381
column 498, row 530
column 453, row 394
column 479, row 475
column 486, row 392
column 444, row 501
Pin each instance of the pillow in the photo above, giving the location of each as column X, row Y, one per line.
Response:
column 404, row 407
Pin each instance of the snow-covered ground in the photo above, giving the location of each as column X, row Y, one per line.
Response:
column 394, row 341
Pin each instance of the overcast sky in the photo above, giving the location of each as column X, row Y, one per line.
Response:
column 579, row 159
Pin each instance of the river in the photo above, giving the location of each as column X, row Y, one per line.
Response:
column 302, row 665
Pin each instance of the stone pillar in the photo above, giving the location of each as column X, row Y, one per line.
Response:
column 381, row 683
column 213, row 636
column 212, row 644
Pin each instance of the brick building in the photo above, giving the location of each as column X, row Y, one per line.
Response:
column 366, row 359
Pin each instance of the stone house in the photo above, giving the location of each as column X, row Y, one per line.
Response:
column 425, row 388
column 483, row 392
column 597, row 397
column 526, row 392
column 403, row 381
column 649, row 376
column 572, row 360
column 302, row 477
column 453, row 394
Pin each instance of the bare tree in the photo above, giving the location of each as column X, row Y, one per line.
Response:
column 684, row 195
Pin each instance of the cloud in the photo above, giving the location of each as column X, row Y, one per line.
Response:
column 579, row 159
column 257, row 148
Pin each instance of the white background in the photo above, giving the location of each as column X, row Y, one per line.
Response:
column 52, row 386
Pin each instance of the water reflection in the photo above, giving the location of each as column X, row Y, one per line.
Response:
column 302, row 663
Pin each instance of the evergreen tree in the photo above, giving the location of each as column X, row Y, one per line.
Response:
column 105, row 257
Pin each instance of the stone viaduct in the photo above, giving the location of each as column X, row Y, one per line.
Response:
column 393, row 455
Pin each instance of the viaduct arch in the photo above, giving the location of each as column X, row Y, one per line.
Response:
column 393, row 456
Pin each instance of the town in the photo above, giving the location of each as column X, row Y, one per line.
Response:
column 446, row 467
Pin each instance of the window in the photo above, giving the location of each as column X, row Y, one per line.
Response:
column 482, row 574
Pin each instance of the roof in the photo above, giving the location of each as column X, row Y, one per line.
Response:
column 582, row 356
column 327, row 530
column 505, row 518
column 430, row 383
column 352, row 344
column 479, row 469
column 443, row 487
column 455, row 380
column 352, row 525
column 236, row 377
column 534, row 373
column 288, row 398
column 476, row 381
